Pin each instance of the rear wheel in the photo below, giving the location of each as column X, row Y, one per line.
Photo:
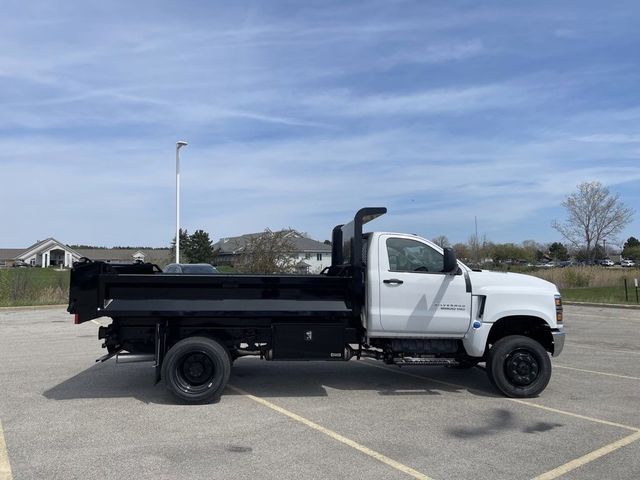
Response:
column 197, row 369
column 519, row 366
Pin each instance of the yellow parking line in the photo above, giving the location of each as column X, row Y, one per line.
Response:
column 589, row 457
column 598, row 373
column 5, row 466
column 336, row 436
column 517, row 400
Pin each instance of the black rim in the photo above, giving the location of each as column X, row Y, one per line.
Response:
column 521, row 367
column 195, row 372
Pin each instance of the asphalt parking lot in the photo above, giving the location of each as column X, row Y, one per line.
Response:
column 65, row 417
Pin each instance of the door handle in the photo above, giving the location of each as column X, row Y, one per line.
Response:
column 393, row 280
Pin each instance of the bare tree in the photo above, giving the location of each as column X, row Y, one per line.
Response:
column 268, row 252
column 441, row 241
column 594, row 215
column 462, row 251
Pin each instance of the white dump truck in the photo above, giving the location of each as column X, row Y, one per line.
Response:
column 394, row 297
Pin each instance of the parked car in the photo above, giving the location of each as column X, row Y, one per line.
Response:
column 607, row 263
column 191, row 268
column 546, row 265
column 628, row 263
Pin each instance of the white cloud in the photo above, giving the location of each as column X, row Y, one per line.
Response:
column 610, row 138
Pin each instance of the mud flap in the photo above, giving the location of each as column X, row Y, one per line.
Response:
column 161, row 346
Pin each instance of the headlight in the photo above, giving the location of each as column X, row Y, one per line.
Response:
column 558, row 300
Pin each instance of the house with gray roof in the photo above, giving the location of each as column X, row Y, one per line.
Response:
column 159, row 256
column 53, row 253
column 44, row 253
column 311, row 256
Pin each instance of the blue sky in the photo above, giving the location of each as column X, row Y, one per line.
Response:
column 299, row 113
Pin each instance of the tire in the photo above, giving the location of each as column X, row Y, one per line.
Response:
column 196, row 369
column 519, row 366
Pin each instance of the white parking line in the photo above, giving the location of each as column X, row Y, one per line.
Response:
column 575, row 415
column 597, row 373
column 567, row 467
column 5, row 466
column 516, row 400
column 336, row 436
column 602, row 317
column 588, row 458
column 601, row 350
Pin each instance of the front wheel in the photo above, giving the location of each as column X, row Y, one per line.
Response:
column 196, row 369
column 519, row 366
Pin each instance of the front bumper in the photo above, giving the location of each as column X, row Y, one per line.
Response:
column 558, row 341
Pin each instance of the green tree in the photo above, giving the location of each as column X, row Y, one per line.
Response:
column 631, row 249
column 200, row 248
column 532, row 251
column 184, row 248
column 558, row 251
column 507, row 251
column 632, row 242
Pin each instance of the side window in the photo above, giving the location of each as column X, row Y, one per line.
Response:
column 412, row 256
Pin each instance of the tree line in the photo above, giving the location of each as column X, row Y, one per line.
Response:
column 595, row 216
column 530, row 251
column 268, row 252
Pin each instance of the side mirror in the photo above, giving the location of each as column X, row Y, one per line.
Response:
column 450, row 262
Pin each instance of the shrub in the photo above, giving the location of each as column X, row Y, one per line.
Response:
column 574, row 278
column 33, row 286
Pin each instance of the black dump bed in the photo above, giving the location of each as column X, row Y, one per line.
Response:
column 102, row 289
column 141, row 290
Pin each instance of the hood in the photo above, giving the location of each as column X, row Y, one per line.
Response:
column 486, row 279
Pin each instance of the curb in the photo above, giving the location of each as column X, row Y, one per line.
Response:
column 31, row 307
column 603, row 305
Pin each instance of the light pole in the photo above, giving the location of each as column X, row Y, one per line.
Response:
column 179, row 145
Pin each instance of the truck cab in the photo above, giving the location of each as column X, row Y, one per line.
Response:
column 411, row 292
column 424, row 307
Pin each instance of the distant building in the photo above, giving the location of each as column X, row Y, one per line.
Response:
column 311, row 256
column 45, row 253
column 127, row 255
column 53, row 253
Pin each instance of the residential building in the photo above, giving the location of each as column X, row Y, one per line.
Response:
column 53, row 253
column 45, row 253
column 311, row 256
